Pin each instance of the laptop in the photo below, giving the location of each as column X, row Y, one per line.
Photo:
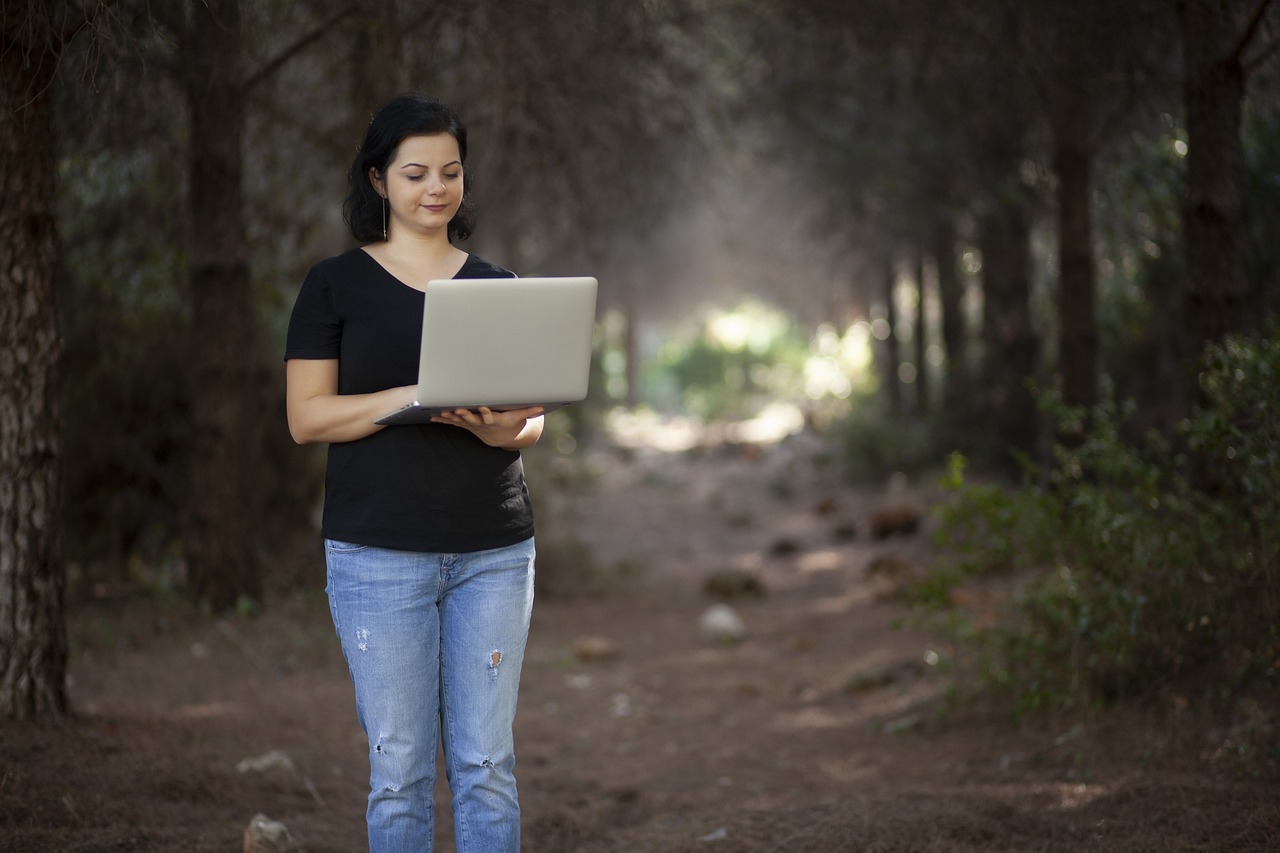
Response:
column 504, row 343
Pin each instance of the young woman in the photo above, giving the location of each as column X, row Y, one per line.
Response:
column 428, row 529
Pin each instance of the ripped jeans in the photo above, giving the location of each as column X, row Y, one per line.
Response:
column 435, row 640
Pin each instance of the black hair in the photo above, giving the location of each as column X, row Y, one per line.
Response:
column 407, row 115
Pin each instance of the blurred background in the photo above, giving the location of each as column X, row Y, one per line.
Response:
column 915, row 229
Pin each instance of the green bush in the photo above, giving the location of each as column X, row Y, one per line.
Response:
column 876, row 442
column 1135, row 575
column 730, row 366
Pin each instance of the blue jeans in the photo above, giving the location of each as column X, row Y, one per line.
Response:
column 435, row 644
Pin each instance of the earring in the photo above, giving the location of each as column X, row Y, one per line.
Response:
column 384, row 218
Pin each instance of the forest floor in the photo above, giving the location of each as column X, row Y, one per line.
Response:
column 836, row 723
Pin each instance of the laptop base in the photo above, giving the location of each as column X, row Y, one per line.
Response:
column 416, row 413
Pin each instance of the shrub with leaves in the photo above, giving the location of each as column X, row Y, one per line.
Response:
column 1134, row 575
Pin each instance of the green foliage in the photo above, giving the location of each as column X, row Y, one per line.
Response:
column 1133, row 575
column 732, row 365
column 1238, row 427
column 877, row 442
column 987, row 527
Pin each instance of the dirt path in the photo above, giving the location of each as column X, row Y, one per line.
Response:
column 826, row 727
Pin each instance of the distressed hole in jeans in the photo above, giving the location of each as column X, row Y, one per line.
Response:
column 495, row 658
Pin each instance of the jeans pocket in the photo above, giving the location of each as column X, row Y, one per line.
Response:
column 336, row 547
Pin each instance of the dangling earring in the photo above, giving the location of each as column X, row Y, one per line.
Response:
column 384, row 218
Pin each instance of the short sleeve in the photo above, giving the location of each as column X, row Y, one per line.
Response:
column 315, row 329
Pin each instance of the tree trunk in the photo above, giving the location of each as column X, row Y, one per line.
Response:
column 1213, row 90
column 1009, row 347
column 33, row 643
column 631, row 349
column 950, row 297
column 1078, row 336
column 892, row 357
column 220, row 549
column 921, row 341
column 377, row 67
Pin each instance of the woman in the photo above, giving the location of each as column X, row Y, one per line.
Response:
column 428, row 529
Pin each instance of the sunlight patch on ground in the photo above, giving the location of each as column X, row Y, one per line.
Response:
column 1063, row 796
column 673, row 434
column 820, row 561
column 848, row 769
column 819, row 718
column 207, row 710
column 883, row 706
column 1075, row 796
column 833, row 604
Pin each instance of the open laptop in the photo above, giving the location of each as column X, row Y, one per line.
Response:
column 504, row 343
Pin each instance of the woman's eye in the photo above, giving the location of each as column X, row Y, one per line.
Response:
column 453, row 176
column 415, row 178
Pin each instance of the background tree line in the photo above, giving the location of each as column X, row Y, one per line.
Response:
column 1019, row 193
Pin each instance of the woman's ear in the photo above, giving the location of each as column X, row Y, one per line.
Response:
column 377, row 182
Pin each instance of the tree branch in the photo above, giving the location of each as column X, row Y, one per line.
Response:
column 1259, row 12
column 55, row 43
column 274, row 64
column 90, row 15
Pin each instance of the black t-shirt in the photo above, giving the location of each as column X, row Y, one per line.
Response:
column 420, row 487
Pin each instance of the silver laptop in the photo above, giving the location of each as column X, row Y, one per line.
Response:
column 504, row 343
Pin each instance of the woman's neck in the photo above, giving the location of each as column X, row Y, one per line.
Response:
column 417, row 260
column 417, row 249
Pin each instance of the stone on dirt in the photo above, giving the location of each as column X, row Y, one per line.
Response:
column 734, row 583
column 720, row 623
column 894, row 520
column 264, row 835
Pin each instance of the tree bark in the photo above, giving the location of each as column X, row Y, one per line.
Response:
column 1078, row 336
column 892, row 355
column 1213, row 91
column 33, row 643
column 1009, row 346
column 221, row 557
column 950, row 298
column 921, row 340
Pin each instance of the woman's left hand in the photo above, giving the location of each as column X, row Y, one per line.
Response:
column 510, row 430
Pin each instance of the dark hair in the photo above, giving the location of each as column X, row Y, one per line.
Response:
column 407, row 115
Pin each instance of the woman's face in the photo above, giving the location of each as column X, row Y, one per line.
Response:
column 424, row 184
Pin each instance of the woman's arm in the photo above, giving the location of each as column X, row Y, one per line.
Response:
column 318, row 413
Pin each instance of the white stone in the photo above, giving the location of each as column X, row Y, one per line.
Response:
column 720, row 623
